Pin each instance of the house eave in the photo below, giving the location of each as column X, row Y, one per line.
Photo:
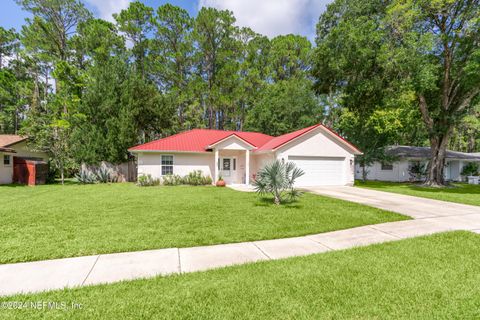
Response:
column 233, row 135
column 353, row 150
column 168, row 151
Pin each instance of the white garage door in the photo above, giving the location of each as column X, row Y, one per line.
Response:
column 319, row 171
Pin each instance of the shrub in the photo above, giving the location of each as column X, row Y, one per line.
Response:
column 207, row 180
column 147, row 181
column 417, row 171
column 470, row 169
column 194, row 178
column 278, row 179
column 172, row 180
column 86, row 176
column 105, row 175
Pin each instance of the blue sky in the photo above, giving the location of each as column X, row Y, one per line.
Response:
column 269, row 17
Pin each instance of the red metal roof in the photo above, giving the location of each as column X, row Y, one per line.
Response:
column 198, row 140
column 284, row 139
column 281, row 140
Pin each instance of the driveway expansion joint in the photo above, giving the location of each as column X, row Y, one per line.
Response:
column 263, row 252
column 320, row 243
column 179, row 261
column 91, row 269
column 385, row 232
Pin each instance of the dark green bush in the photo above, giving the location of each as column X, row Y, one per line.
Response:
column 470, row 169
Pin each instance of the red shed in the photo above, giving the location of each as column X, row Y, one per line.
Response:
column 31, row 171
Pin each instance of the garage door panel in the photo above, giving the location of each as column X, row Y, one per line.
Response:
column 319, row 170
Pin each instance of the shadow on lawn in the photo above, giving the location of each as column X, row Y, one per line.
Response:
column 454, row 188
column 268, row 202
column 69, row 182
column 14, row 185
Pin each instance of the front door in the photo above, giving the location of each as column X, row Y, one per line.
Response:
column 228, row 169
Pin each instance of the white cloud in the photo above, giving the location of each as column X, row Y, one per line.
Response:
column 274, row 17
column 105, row 8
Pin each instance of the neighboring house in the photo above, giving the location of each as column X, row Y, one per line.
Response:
column 408, row 156
column 236, row 156
column 15, row 147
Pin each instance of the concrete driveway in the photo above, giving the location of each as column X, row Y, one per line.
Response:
column 415, row 207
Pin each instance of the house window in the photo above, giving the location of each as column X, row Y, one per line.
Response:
column 234, row 164
column 387, row 167
column 6, row 160
column 167, row 165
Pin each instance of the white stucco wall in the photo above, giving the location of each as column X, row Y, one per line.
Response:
column 400, row 172
column 317, row 143
column 183, row 163
column 258, row 161
column 6, row 172
column 453, row 170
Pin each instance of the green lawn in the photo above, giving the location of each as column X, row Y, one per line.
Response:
column 434, row 277
column 56, row 221
column 459, row 192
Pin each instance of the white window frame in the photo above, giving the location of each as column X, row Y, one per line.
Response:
column 166, row 165
column 9, row 160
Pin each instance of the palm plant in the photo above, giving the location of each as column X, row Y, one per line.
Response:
column 278, row 178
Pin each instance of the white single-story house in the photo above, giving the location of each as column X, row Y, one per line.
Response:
column 236, row 156
column 408, row 156
column 11, row 147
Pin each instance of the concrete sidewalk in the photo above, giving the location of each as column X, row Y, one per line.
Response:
column 108, row 268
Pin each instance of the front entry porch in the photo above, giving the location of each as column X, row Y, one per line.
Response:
column 232, row 160
column 233, row 166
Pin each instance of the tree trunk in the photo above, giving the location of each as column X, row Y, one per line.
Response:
column 210, row 117
column 364, row 173
column 436, row 166
column 62, row 173
column 276, row 195
column 439, row 139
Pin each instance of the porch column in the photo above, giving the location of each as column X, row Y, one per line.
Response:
column 215, row 170
column 247, row 167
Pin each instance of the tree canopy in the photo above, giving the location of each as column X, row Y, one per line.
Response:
column 403, row 53
column 381, row 72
